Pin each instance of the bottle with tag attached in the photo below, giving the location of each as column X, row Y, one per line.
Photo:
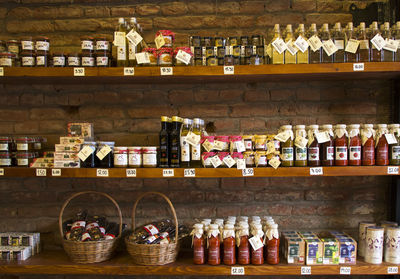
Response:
column 198, row 244
column 229, row 244
column 325, row 36
column 396, row 35
column 364, row 48
column 328, row 148
column 302, row 57
column 121, row 49
column 341, row 145
column 175, row 143
column 350, row 35
column 242, row 242
column 289, row 39
column 387, row 55
column 150, row 229
column 313, row 147
column 195, row 161
column 213, row 244
column 368, row 145
column 300, row 151
column 354, row 145
column 394, row 149
column 185, row 146
column 315, row 56
column 164, row 143
column 257, row 255
column 276, row 57
column 381, row 146
column 78, row 226
column 287, row 147
column 375, row 54
column 272, row 242
column 338, row 37
column 132, row 48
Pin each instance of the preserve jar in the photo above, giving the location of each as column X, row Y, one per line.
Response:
column 244, row 40
column 135, row 157
column 260, row 142
column 248, row 142
column 225, row 142
column 381, row 146
column 394, row 149
column 242, row 242
column 237, row 155
column 260, row 159
column 368, row 145
column 5, row 144
column 328, row 148
column 7, row 59
column 206, row 159
column 58, row 60
column 169, row 37
column 220, row 52
column 165, row 56
column 219, row 41
column 197, row 52
column 287, row 146
column 228, row 60
column 207, row 42
column 374, row 245
column 87, row 43
column 104, row 154
column 198, row 61
column 153, row 56
column 102, row 59
column 24, row 159
column 235, row 142
column 179, row 62
column 257, row 256
column 102, row 43
column 13, row 46
column 229, row 244
column 313, row 147
column 5, row 159
column 256, row 40
column 255, row 59
column 149, row 156
column 222, row 156
column 28, row 58
column 74, row 60
column 42, row 44
column 354, row 145
column 300, row 146
column 341, row 150
column 249, row 157
column 198, row 244
column 272, row 242
column 392, row 249
column 42, row 58
column 195, row 41
column 210, row 139
column 213, row 244
column 89, row 153
column 3, row 46
column 23, row 144
column 87, row 59
column 27, row 43
column 120, row 157
column 232, row 41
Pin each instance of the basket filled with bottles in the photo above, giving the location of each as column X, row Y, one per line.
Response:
column 156, row 243
column 89, row 238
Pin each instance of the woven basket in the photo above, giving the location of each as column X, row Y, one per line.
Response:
column 91, row 251
column 153, row 254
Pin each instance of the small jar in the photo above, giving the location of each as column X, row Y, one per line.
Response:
column 221, row 52
column 255, row 60
column 195, row 41
column 102, row 43
column 13, row 46
column 261, row 159
column 5, row 144
column 248, row 51
column 135, row 157
column 165, row 56
column 221, row 156
column 244, row 40
column 248, row 142
column 228, row 60
column 23, row 144
column 149, row 156
column 7, row 59
column 259, row 51
column 207, row 42
column 219, row 42
column 233, row 41
column 5, row 159
column 27, row 43
column 58, row 60
column 206, row 158
column 42, row 58
column 236, row 60
column 90, row 161
column 250, row 159
column 212, row 61
column 221, row 61
column 198, row 61
column 87, row 59
column 260, row 142
column 107, row 160
column 28, row 58
column 188, row 51
column 169, row 37
column 153, row 56
column 197, row 52
column 225, row 141
column 236, row 51
column 233, row 140
column 256, row 40
column 74, row 60
column 42, row 44
column 120, row 157
column 24, row 159
column 237, row 155
column 102, row 59
column 209, row 52
column 87, row 43
column 3, row 46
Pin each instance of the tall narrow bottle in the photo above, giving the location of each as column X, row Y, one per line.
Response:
column 175, row 143
column 364, row 49
column 276, row 57
column 122, row 49
column 185, row 147
column 289, row 58
column 338, row 37
column 132, row 48
column 396, row 34
column 350, row 35
column 164, row 143
column 315, row 56
column 376, row 55
column 195, row 161
column 302, row 57
column 325, row 36
column 387, row 55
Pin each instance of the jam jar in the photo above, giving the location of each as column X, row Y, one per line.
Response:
column 7, row 59
column 169, row 37
column 165, row 56
column 195, row 41
column 104, row 154
column 24, row 159
column 42, row 58
column 219, row 42
column 233, row 41
column 58, row 59
column 207, row 42
column 250, row 159
column 13, row 46
column 221, row 52
column 102, row 58
column 5, row 144
column 24, row 144
column 89, row 162
column 42, row 44
column 149, row 156
column 87, row 43
column 179, row 62
column 74, row 60
column 28, row 58
column 212, row 61
column 198, row 61
column 197, row 52
column 27, row 43
column 256, row 40
column 135, row 157
column 102, row 43
column 5, row 159
column 87, row 59
column 3, row 46
column 228, row 60
column 153, row 56
column 120, row 157
column 236, row 51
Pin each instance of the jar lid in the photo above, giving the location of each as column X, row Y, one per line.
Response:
column 177, row 119
column 229, row 226
column 27, row 38
column 73, row 54
column 21, row 139
column 13, row 41
column 165, row 50
column 354, row 126
column 166, row 33
column 87, row 38
column 313, row 127
column 9, row 54
column 382, row 125
column 244, row 225
column 260, row 136
column 237, row 155
column 286, row 127
column 251, row 137
column 300, row 127
column 196, row 37
column 208, row 138
column 106, row 143
column 340, row 126
column 235, row 138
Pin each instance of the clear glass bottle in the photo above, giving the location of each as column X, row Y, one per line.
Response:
column 364, row 49
column 302, row 57
column 313, row 147
column 195, row 161
column 122, row 56
column 350, row 35
column 375, row 54
column 315, row 56
column 325, row 36
column 300, row 152
column 276, row 57
column 387, row 55
column 289, row 58
column 394, row 149
column 338, row 37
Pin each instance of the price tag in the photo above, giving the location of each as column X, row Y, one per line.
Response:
column 305, row 270
column 229, row 70
column 168, row 173
column 345, row 270
column 193, row 139
column 218, row 145
column 315, row 43
column 129, row 71
column 301, row 44
column 85, row 153
column 240, row 146
column 329, row 47
column 316, row 171
column 216, row 161
column 131, row 173
column 291, row 47
column 378, row 41
column 358, row 67
column 237, row 270
column 142, row 58
column 79, row 72
column 256, row 243
column 166, row 71
column 102, row 172
column 229, row 161
column 270, row 147
column 322, row 137
column 279, row 45
column 241, row 164
column 159, row 40
column 56, row 172
column 1, row 71
column 189, row 173
column 391, row 45
column 41, row 172
column 103, row 152
column 134, row 37
column 274, row 162
column 393, row 270
column 248, row 172
column 1, row 172
column 183, row 56
column 393, row 170
column 119, row 38
column 391, row 139
column 300, row 142
column 208, row 146
column 352, row 46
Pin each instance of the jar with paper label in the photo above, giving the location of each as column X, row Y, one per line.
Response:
column 341, row 149
column 392, row 247
column 212, row 61
column 5, row 144
column 74, row 60
column 242, row 242
column 42, row 58
column 7, row 59
column 394, row 149
column 249, row 157
column 213, row 244
column 381, row 146
column 206, row 159
column 28, row 58
column 88, row 154
column 149, row 156
column 120, row 157
column 5, row 159
column 248, row 142
column 23, row 144
column 354, row 145
column 198, row 244
column 260, row 158
column 368, row 145
column 102, row 43
column 362, row 231
column 153, row 56
column 374, row 245
column 135, row 157
column 24, row 159
column 328, row 148
column 14, row 46
column 58, row 59
column 169, row 37
column 178, row 62
column 88, row 59
column 300, row 148
column 27, row 43
column 313, row 147
column 105, row 154
column 165, row 56
column 260, row 142
column 87, row 43
column 272, row 243
column 102, row 58
column 42, row 44
column 235, row 143
column 224, row 141
column 229, row 244
column 237, row 155
column 257, row 255
column 287, row 146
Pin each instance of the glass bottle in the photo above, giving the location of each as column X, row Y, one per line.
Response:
column 350, row 34
column 328, row 148
column 272, row 243
column 198, row 244
column 341, row 149
column 354, row 145
column 242, row 241
column 213, row 243
column 195, row 150
column 289, row 58
column 302, row 57
column 394, row 154
column 313, row 147
column 287, row 147
column 122, row 50
column 325, row 36
column 381, row 146
column 276, row 57
column 300, row 152
column 338, row 37
column 396, row 34
column 368, row 145
column 257, row 256
column 175, row 143
column 315, row 56
column 185, row 147
column 229, row 244
column 387, row 55
column 375, row 54
column 364, row 49
column 164, row 143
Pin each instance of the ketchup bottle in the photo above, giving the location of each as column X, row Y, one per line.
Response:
column 257, row 256
column 272, row 242
column 382, row 146
column 229, row 241
column 341, row 158
column 242, row 241
column 214, row 257
column 198, row 244
column 313, row 147
column 328, row 148
column 354, row 145
column 368, row 145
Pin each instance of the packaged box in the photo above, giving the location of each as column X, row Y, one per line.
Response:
column 48, row 154
column 43, row 160
column 314, row 251
column 289, row 232
column 67, row 164
column 84, row 130
column 17, row 239
column 12, row 253
column 294, row 250
column 330, row 251
column 65, row 156
column 347, row 251
column 67, row 148
column 72, row 140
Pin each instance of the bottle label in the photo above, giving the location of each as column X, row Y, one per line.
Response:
column 28, row 61
column 341, row 153
column 185, row 150
column 88, row 61
column 396, row 152
column 287, row 153
column 5, row 62
column 364, row 44
column 213, row 254
column 121, row 53
column 22, row 146
column 149, row 159
column 73, row 61
column 27, row 45
column 132, row 52
column 228, row 254
column 102, row 60
column 368, row 153
column 102, row 45
column 355, row 152
column 40, row 60
column 301, row 154
column 382, row 153
column 330, row 153
column 59, row 61
column 4, row 147
column 22, row 162
column 87, row 45
column 196, row 152
column 5, row 162
column 198, row 254
column 120, row 159
column 313, row 154
column 151, row 229
column 85, row 236
column 339, row 44
column 42, row 45
column 135, row 159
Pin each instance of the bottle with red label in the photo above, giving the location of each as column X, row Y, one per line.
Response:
column 242, row 241
column 213, row 243
column 328, row 148
column 381, row 146
column 272, row 242
column 368, row 145
column 354, row 145
column 313, row 147
column 229, row 243
column 341, row 150
column 198, row 244
column 257, row 255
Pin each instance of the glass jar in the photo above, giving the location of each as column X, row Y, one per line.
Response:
column 74, row 60
column 260, row 142
column 42, row 58
column 256, row 40
column 5, row 159
column 169, row 37
column 236, row 51
column 261, row 159
column 248, row 142
column 228, row 60
column 214, row 245
column 199, row 244
column 23, row 144
column 198, row 62
column 287, row 147
column 149, row 157
column 243, row 246
column 104, row 154
column 260, row 52
column 42, row 44
column 58, row 60
column 24, row 159
column 209, row 52
column 87, row 43
column 13, row 46
column 300, row 150
column 120, row 157
column 220, row 52
column 354, row 145
column 244, row 40
column 153, row 56
column 394, row 149
column 87, row 59
column 232, row 41
column 206, row 159
column 219, row 42
column 28, row 58
column 212, row 61
column 237, row 155
column 102, row 43
column 179, row 62
column 210, row 139
column 5, row 144
column 221, row 156
column 341, row 150
column 27, row 43
column 135, row 157
column 90, row 161
column 7, row 59
column 102, row 58
column 236, row 60
column 328, row 148
column 234, row 141
column 197, row 52
column 225, row 142
column 165, row 56
column 249, row 157
column 207, row 42
column 313, row 147
column 195, row 41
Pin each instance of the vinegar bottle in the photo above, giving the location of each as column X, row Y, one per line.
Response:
column 338, row 37
column 185, row 147
column 315, row 56
column 363, row 49
column 276, row 57
column 302, row 57
column 328, row 148
column 376, row 55
column 122, row 49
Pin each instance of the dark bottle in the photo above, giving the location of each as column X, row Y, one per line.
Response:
column 387, row 55
column 375, row 54
column 363, row 49
column 315, row 56
column 175, row 143
column 325, row 36
column 338, row 37
column 185, row 146
column 196, row 149
column 396, row 34
column 164, row 143
column 350, row 35
column 112, row 231
column 78, row 227
column 90, row 160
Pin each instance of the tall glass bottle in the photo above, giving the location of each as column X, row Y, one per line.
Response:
column 302, row 57
column 350, row 34
column 328, row 148
column 396, row 35
column 364, row 49
column 381, row 146
column 132, row 48
column 198, row 243
column 338, row 37
column 175, row 143
column 376, row 55
column 387, row 55
column 313, row 147
column 195, row 161
column 122, row 60
column 394, row 149
column 276, row 57
column 289, row 58
column 164, row 143
column 315, row 56
column 325, row 36
column 185, row 147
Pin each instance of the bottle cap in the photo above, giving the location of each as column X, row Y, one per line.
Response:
column 340, row 126
column 164, row 118
column 382, row 126
column 229, row 226
column 121, row 20
column 325, row 27
column 338, row 26
column 214, row 227
column 276, row 28
column 350, row 25
column 313, row 127
column 206, row 221
column 326, row 126
column 286, row 127
column 244, row 225
column 354, row 126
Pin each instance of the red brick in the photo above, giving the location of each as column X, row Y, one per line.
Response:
column 158, row 97
column 329, row 6
column 28, row 127
column 253, row 110
column 283, row 95
column 173, row 8
column 130, row 184
column 287, row 109
column 204, row 211
column 56, row 99
column 181, row 96
column 232, row 184
column 106, row 97
column 369, row 194
column 326, row 195
column 225, row 211
column 272, row 19
column 275, row 6
column 207, row 183
column 252, row 125
column 77, row 25
column 97, row 11
column 328, row 18
column 329, row 209
column 9, row 99
column 180, row 22
column 14, row 114
column 201, row 7
column 207, row 96
column 279, row 209
column 309, row 109
column 147, row 9
column 6, row 128
column 228, row 7
column 279, row 195
column 53, row 126
column 251, row 7
column 229, row 196
column 30, row 26
column 353, row 108
column 226, row 125
column 151, row 112
column 304, row 5
column 186, row 196
column 256, row 209
column 308, row 94
column 46, row 113
column 204, row 111
column 103, row 125
column 31, row 99
column 179, row 184
column 231, row 96
column 145, row 125
column 260, row 95
column 304, row 210
column 77, row 99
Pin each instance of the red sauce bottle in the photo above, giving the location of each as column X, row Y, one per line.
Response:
column 257, row 256
column 229, row 241
column 354, row 145
column 313, row 147
column 272, row 242
column 242, row 240
column 328, row 148
column 368, row 145
column 198, row 244
column 381, row 146
column 341, row 158
column 214, row 257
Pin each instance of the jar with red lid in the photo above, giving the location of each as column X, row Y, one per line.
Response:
column 237, row 155
column 224, row 143
column 165, row 56
column 222, row 156
column 13, row 46
column 120, row 157
column 179, row 62
column 102, row 58
column 354, row 145
column 87, row 43
column 7, row 59
column 27, row 43
column 74, row 60
column 58, row 59
column 102, row 43
column 368, row 145
column 381, row 146
column 135, row 157
column 341, row 148
column 5, row 159
column 28, row 58
column 169, row 37
column 153, row 56
column 206, row 159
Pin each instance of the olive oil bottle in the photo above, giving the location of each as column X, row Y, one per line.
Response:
column 164, row 143
column 195, row 161
column 122, row 60
column 276, row 57
column 302, row 57
column 185, row 147
column 289, row 58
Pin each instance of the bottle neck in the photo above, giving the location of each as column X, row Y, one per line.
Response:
column 164, row 125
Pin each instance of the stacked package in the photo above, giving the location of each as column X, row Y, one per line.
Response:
column 19, row 245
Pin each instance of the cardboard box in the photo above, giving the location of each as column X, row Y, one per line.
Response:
column 347, row 251
column 67, row 164
column 74, row 148
column 331, row 251
column 294, row 251
column 314, row 251
column 84, row 130
column 66, row 156
column 72, row 140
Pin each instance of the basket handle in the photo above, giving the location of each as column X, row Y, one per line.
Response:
column 84, row 193
column 169, row 203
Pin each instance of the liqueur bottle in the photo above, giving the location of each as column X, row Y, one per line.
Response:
column 364, row 49
column 350, row 35
column 164, row 143
column 387, row 55
column 375, row 54
column 302, row 57
column 185, row 147
column 325, row 36
column 121, row 49
column 289, row 58
column 338, row 37
column 315, row 56
column 195, row 161
column 276, row 57
column 175, row 143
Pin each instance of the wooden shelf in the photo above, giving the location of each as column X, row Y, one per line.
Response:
column 198, row 172
column 57, row 262
column 374, row 70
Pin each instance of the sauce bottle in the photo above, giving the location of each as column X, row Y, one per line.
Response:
column 213, row 244
column 300, row 152
column 364, row 49
column 185, row 147
column 338, row 37
column 198, row 244
column 121, row 49
column 394, row 154
column 354, row 145
column 381, row 146
column 195, row 161
column 276, row 57
column 396, row 34
column 328, row 148
column 350, row 34
column 313, row 147
column 325, row 36
column 341, row 150
column 368, row 145
column 376, row 55
column 257, row 256
column 272, row 243
column 387, row 55
column 229, row 242
column 289, row 58
column 287, row 147
column 164, row 143
column 242, row 241
column 175, row 143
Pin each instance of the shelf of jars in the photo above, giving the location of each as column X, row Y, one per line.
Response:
column 199, row 172
column 57, row 262
column 200, row 73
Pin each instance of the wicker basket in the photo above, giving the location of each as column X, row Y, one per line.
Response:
column 157, row 254
column 91, row 251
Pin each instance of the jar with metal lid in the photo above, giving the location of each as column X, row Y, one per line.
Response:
column 120, row 157
column 87, row 43
column 153, row 56
column 42, row 44
column 207, row 42
column 195, row 41
column 206, row 159
column 250, row 159
column 58, row 59
column 212, row 61
column 221, row 52
column 178, row 62
column 236, row 51
column 244, row 40
column 198, row 62
column 7, row 59
column 209, row 51
column 74, row 60
column 149, row 156
column 232, row 41
column 87, row 59
column 219, row 42
column 87, row 157
column 23, row 159
column 104, row 154
column 5, row 159
column 135, row 157
column 28, row 58
column 13, row 46
column 228, row 60
column 24, row 144
column 42, row 58
column 102, row 43
column 102, row 59
column 169, row 37
column 27, row 43
column 256, row 40
column 165, row 56
column 3, row 46
column 236, row 60
column 5, row 144
column 221, row 61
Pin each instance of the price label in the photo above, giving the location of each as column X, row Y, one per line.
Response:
column 218, row 145
column 352, row 46
column 1, row 71
column 301, row 44
column 240, row 146
column 358, row 67
column 305, row 270
column 142, row 58
column 393, row 270
column 103, row 152
column 41, row 172
column 168, row 173
column 1, row 172
column 315, row 43
column 316, row 171
column 329, row 47
column 279, row 45
column 345, row 270
column 229, row 70
column 79, row 72
column 248, row 172
column 208, row 146
column 391, row 45
column 189, row 173
column 131, row 173
column 102, row 172
column 241, row 164
column 193, row 139
column 134, row 37
column 183, row 56
column 160, row 41
column 237, row 270
column 129, row 71
column 393, row 170
column 56, row 172
column 166, row 71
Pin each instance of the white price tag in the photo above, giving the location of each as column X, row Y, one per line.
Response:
column 352, row 46
column 216, row 161
column 391, row 139
column 119, row 38
column 183, row 56
column 129, row 71
column 189, row 173
column 315, row 43
column 291, row 48
column 79, row 72
column 1, row 172
column 316, row 171
column 329, row 47
column 103, row 152
column 229, row 161
column 237, row 270
column 131, row 173
column 142, row 58
column 166, row 71
column 393, row 270
column 391, row 45
column 345, row 270
column 279, row 45
column 102, row 172
column 134, row 37
column 256, row 243
column 274, row 162
column 1, row 71
column 159, row 40
column 241, row 164
column 85, row 153
column 305, row 270
column 358, row 67
column 193, row 139
column 393, row 170
column 41, row 172
column 240, row 146
column 168, row 173
column 378, row 41
column 218, row 145
column 56, row 172
column 301, row 44
column 229, row 70
column 322, row 137
column 248, row 172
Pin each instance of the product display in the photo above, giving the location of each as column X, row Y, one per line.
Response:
column 19, row 246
